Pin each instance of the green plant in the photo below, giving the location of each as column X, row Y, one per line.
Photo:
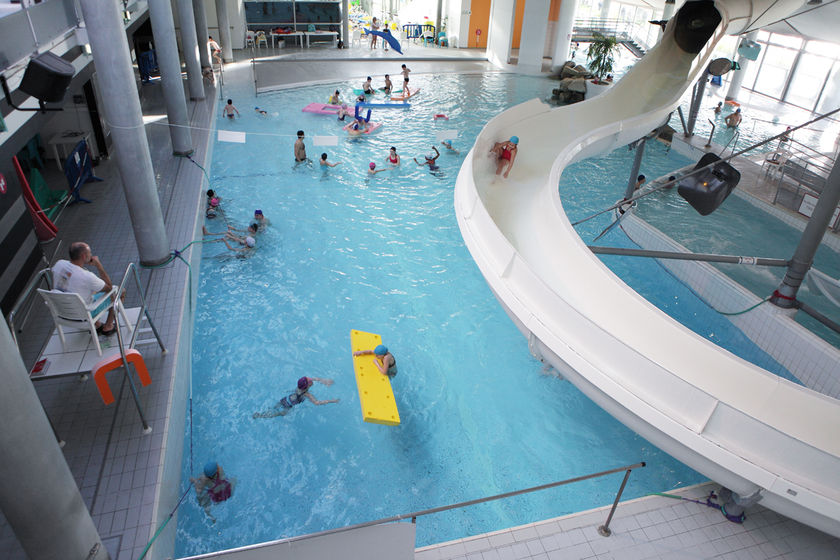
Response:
column 600, row 56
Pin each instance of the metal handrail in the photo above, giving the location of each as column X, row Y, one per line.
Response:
column 42, row 275
column 603, row 529
column 712, row 133
column 132, row 272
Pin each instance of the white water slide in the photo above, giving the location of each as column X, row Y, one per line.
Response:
column 736, row 423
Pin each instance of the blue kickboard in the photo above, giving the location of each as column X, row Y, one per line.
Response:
column 384, row 105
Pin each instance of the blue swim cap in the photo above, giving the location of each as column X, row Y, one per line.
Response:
column 210, row 469
column 514, row 139
column 380, row 350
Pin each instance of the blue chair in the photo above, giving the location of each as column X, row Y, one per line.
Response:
column 78, row 170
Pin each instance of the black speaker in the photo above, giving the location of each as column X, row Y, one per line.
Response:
column 47, row 78
column 707, row 190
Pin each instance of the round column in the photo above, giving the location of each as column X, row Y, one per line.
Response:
column 38, row 494
column 163, row 27
column 122, row 110
column 738, row 76
column 189, row 44
column 201, row 31
column 224, row 30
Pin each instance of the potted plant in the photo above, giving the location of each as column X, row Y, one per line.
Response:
column 600, row 57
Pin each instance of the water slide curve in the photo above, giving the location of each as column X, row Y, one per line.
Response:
column 743, row 427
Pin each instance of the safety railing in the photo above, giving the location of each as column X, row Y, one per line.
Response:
column 132, row 273
column 622, row 30
column 42, row 278
column 603, row 530
column 733, row 141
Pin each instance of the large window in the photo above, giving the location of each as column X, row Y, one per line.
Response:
column 774, row 72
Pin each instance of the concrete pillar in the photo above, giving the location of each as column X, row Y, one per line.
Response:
column 38, row 494
column 637, row 166
column 803, row 257
column 224, row 30
column 202, row 33
column 345, row 23
column 605, row 8
column 163, row 26
column 532, row 42
column 563, row 37
column 500, row 32
column 189, row 46
column 122, row 111
column 738, row 75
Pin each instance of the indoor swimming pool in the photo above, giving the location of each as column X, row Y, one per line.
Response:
column 346, row 249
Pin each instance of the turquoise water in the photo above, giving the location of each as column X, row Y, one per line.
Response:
column 346, row 250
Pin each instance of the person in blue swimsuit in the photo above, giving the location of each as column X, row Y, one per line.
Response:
column 384, row 360
column 288, row 402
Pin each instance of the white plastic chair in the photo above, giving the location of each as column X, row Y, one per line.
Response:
column 261, row 39
column 250, row 39
column 68, row 309
column 356, row 37
column 775, row 162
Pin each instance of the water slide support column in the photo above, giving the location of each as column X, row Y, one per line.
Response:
column 189, row 44
column 696, row 100
column 803, row 257
column 532, row 43
column 345, row 23
column 738, row 76
column 201, row 31
column 563, row 34
column 122, row 110
column 38, row 495
column 500, row 32
column 224, row 30
column 163, row 27
column 637, row 165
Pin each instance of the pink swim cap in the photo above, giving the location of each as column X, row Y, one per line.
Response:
column 214, row 201
column 372, row 165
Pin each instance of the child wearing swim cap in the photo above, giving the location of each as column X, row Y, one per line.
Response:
column 506, row 153
column 373, row 170
column 448, row 144
column 385, row 362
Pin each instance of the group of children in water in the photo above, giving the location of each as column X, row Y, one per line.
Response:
column 241, row 241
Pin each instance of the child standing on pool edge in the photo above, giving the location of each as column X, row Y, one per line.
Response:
column 384, row 360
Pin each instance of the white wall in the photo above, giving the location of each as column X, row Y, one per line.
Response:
column 458, row 26
column 532, row 43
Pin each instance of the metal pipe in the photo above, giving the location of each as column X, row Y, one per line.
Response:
column 709, row 143
column 637, row 164
column 819, row 317
column 604, row 530
column 682, row 120
column 704, row 257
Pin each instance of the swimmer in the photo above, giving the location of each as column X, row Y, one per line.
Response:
column 253, row 229
column 448, row 144
column 406, row 92
column 247, row 243
column 430, row 160
column 388, row 85
column 343, row 111
column 325, row 162
column 372, row 170
column 719, row 108
column 506, row 152
column 300, row 148
column 212, row 487
column 260, row 220
column 640, row 180
column 335, row 98
column 260, row 112
column 212, row 208
column 359, row 127
column 405, row 72
column 367, row 87
column 229, row 109
column 733, row 119
column 361, row 98
column 673, row 181
column 393, row 158
column 384, row 360
column 284, row 406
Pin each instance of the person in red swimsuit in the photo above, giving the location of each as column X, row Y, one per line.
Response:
column 506, row 152
column 393, row 158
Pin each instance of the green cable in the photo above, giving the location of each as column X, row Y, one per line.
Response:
column 745, row 310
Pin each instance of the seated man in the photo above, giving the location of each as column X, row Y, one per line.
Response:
column 71, row 276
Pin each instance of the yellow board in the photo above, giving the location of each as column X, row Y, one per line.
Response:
column 375, row 394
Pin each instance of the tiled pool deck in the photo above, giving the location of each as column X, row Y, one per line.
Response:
column 118, row 468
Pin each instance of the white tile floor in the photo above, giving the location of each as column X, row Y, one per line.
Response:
column 117, row 467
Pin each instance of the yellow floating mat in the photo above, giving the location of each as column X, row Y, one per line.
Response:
column 375, row 393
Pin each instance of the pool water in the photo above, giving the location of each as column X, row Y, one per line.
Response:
column 347, row 250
